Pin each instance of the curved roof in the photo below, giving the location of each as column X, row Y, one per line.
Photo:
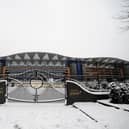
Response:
column 53, row 59
column 36, row 59
column 35, row 56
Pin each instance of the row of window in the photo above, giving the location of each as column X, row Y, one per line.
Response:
column 35, row 63
column 36, row 56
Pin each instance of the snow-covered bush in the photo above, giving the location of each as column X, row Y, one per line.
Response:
column 119, row 93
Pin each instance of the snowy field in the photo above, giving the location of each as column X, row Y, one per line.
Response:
column 59, row 116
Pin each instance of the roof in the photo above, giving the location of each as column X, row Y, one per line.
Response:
column 44, row 58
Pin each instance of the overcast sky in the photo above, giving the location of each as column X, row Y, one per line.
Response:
column 78, row 28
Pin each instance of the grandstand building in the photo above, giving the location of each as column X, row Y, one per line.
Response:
column 56, row 66
column 39, row 77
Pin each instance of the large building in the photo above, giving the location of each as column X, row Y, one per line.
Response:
column 55, row 65
column 39, row 77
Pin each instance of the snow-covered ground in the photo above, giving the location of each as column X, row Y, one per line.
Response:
column 58, row 116
column 119, row 106
column 110, row 117
column 43, row 116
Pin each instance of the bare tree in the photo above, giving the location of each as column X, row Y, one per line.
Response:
column 124, row 15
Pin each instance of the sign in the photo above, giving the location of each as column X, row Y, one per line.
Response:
column 75, row 92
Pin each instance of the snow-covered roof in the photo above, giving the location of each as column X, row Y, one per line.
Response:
column 51, row 59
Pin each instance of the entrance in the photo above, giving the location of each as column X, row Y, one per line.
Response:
column 35, row 86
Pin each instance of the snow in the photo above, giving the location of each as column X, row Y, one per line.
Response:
column 109, row 117
column 43, row 116
column 119, row 106
column 14, row 115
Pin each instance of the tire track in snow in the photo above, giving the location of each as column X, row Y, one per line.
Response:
column 89, row 116
column 86, row 114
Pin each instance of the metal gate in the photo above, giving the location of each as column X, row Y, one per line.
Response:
column 35, row 86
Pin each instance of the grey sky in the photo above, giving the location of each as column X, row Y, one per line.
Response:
column 79, row 28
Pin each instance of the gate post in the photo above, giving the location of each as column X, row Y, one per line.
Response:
column 68, row 100
column 3, row 87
